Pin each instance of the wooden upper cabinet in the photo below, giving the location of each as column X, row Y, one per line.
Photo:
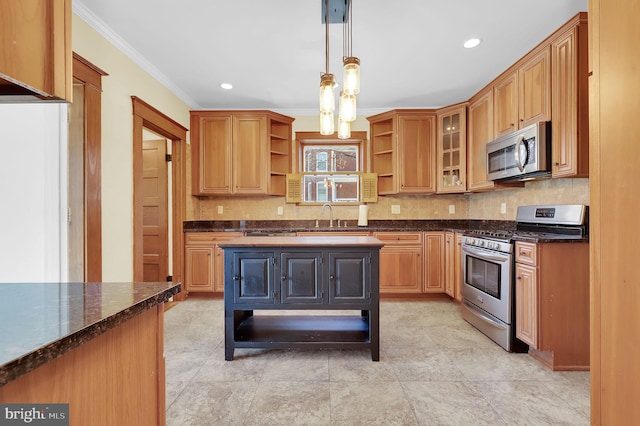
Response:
column 480, row 133
column 35, row 49
column 534, row 90
column 240, row 152
column 505, row 110
column 451, row 152
column 403, row 151
column 249, row 150
column 417, row 138
column 570, row 101
column 211, row 154
column 522, row 95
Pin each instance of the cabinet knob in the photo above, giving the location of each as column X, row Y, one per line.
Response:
column 556, row 163
column 236, row 277
column 331, row 277
column 518, row 277
column 283, row 278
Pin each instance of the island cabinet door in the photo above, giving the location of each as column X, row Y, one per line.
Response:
column 252, row 277
column 301, row 277
column 349, row 277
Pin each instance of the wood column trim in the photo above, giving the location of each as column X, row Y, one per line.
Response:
column 90, row 77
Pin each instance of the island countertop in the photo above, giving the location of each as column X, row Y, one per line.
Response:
column 41, row 321
column 311, row 241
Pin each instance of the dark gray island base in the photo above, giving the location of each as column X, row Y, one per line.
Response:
column 305, row 274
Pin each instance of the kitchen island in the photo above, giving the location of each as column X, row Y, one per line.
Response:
column 95, row 346
column 302, row 274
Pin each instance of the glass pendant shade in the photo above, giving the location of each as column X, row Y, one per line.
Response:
column 347, row 107
column 327, row 100
column 351, row 83
column 344, row 129
column 326, row 123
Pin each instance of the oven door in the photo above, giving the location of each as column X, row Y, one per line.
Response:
column 487, row 277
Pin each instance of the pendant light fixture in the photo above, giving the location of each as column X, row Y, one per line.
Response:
column 351, row 64
column 344, row 128
column 347, row 106
column 326, row 123
column 327, row 101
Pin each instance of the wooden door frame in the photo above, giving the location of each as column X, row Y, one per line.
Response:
column 146, row 116
column 90, row 77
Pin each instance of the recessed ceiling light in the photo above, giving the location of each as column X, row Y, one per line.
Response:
column 472, row 42
column 226, row 86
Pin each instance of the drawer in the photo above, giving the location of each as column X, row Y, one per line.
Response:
column 527, row 253
column 399, row 238
column 209, row 238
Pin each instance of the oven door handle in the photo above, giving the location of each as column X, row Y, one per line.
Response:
column 485, row 255
column 477, row 312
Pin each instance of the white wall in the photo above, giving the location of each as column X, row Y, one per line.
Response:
column 33, row 194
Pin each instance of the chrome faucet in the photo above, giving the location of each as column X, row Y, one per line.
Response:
column 330, row 213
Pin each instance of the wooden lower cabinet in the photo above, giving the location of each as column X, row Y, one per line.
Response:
column 434, row 262
column 457, row 264
column 401, row 262
column 204, row 261
column 415, row 263
column 552, row 302
column 450, row 265
column 199, row 268
column 527, row 304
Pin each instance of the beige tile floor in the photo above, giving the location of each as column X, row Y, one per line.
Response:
column 434, row 369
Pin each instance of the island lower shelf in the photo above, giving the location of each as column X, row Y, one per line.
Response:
column 302, row 274
column 300, row 331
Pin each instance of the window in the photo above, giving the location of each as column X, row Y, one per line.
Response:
column 331, row 168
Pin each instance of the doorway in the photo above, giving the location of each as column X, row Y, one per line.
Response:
column 155, row 210
column 147, row 118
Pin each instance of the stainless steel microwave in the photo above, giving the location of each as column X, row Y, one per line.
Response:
column 523, row 154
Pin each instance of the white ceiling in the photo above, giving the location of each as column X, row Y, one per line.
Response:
column 273, row 52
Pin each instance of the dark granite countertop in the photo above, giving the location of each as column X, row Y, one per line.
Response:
column 41, row 321
column 460, row 225
column 542, row 237
column 273, row 227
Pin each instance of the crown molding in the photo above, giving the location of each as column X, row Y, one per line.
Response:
column 105, row 31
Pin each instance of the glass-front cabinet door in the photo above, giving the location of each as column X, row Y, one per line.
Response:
column 452, row 146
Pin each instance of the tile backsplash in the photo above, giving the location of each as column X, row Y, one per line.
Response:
column 448, row 206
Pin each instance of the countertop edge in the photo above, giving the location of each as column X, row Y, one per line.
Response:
column 32, row 360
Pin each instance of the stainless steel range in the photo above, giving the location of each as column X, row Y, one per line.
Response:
column 488, row 265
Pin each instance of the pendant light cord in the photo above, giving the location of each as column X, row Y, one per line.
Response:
column 326, row 35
